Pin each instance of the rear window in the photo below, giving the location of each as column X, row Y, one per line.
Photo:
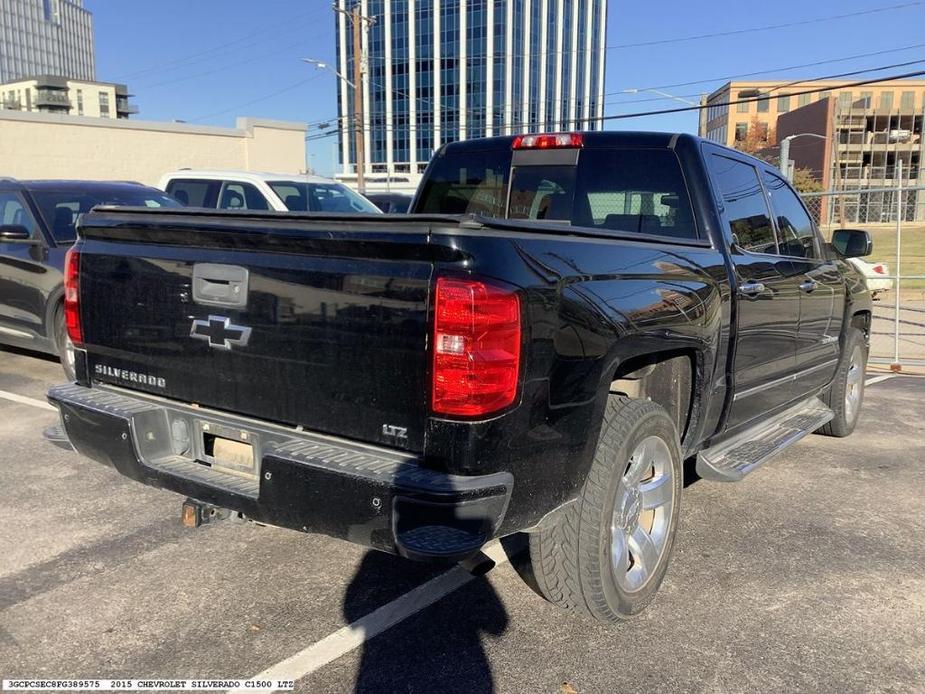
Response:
column 633, row 190
column 60, row 208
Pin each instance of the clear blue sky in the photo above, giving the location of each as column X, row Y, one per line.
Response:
column 206, row 61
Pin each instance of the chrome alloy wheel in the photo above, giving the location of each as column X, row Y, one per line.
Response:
column 642, row 514
column 854, row 387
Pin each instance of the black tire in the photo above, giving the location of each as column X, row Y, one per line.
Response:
column 572, row 556
column 63, row 345
column 846, row 394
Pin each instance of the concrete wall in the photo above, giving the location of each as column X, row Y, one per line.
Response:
column 42, row 145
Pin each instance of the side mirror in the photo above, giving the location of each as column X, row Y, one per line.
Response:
column 852, row 243
column 14, row 232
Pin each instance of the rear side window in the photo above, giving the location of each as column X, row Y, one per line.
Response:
column 794, row 226
column 195, row 192
column 746, row 207
column 468, row 182
column 241, row 196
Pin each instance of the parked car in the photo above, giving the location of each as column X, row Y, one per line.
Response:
column 37, row 226
column 247, row 190
column 567, row 320
column 876, row 274
column 391, row 203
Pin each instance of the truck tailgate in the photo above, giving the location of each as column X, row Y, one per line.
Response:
column 295, row 320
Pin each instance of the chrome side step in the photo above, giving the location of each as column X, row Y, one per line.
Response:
column 731, row 460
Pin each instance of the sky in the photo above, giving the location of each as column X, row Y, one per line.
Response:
column 209, row 61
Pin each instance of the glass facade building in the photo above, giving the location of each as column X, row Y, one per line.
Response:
column 445, row 70
column 46, row 37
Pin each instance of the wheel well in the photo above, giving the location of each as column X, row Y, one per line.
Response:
column 665, row 378
column 861, row 321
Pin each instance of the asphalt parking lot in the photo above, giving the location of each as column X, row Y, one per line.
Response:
column 808, row 576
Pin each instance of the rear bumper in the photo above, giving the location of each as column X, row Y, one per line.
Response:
column 371, row 496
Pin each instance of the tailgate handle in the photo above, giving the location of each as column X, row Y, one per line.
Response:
column 219, row 285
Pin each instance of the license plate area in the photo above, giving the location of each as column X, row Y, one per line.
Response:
column 228, row 449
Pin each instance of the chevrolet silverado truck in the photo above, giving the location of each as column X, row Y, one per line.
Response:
column 560, row 324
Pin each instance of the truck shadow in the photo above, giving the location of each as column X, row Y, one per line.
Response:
column 438, row 649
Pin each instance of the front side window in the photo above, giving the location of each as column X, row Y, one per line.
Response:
column 299, row 196
column 14, row 212
column 794, row 226
column 746, row 208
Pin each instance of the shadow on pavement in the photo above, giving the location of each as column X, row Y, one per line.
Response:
column 407, row 658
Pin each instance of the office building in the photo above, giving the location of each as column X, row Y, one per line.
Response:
column 729, row 123
column 46, row 37
column 49, row 94
column 447, row 70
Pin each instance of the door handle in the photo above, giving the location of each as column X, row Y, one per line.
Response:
column 751, row 288
column 808, row 286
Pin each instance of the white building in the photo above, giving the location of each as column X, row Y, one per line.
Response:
column 49, row 94
column 46, row 37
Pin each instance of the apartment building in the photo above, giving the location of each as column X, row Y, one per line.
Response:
column 51, row 94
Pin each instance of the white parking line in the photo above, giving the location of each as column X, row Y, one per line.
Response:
column 356, row 633
column 878, row 379
column 23, row 400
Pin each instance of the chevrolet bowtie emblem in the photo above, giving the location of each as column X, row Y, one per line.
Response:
column 220, row 333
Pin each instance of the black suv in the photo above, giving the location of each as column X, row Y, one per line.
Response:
column 37, row 220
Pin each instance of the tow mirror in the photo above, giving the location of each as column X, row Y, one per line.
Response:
column 14, row 232
column 852, row 243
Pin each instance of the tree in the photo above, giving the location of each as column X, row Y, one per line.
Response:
column 760, row 136
column 806, row 182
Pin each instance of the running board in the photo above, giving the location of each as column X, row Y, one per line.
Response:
column 731, row 460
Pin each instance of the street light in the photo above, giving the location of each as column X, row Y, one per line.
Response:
column 661, row 93
column 785, row 152
column 359, row 144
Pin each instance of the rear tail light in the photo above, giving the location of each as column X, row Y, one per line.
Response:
column 879, row 269
column 548, row 141
column 476, row 347
column 72, row 296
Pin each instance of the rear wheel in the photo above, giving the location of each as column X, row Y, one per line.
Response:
column 64, row 345
column 607, row 553
column 846, row 394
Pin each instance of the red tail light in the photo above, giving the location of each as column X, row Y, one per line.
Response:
column 72, row 296
column 879, row 269
column 548, row 141
column 476, row 347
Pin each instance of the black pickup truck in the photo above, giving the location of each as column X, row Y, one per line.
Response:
column 563, row 322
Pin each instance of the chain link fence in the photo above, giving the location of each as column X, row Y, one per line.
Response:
column 895, row 219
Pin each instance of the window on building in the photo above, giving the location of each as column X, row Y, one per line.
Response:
column 886, row 101
column 764, row 104
column 797, row 238
column 867, row 99
column 844, row 99
column 80, row 102
column 907, row 101
column 742, row 107
column 824, row 95
column 745, row 205
column 741, row 132
column 104, row 104
column 783, row 103
column 804, row 100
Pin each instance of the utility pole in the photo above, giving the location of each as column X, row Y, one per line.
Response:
column 359, row 23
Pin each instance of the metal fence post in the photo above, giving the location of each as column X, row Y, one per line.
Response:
column 896, row 366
